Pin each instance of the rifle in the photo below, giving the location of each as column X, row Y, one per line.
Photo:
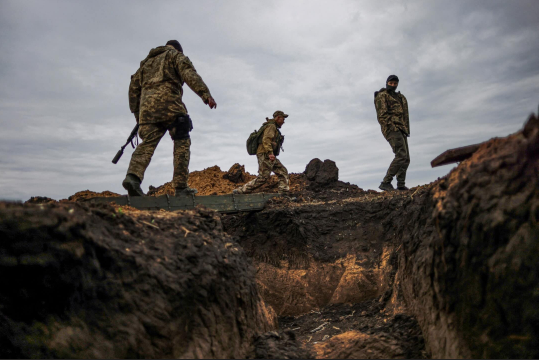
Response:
column 129, row 140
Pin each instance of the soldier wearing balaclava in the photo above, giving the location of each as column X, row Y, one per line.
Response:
column 392, row 112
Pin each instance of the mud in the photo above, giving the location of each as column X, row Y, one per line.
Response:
column 91, row 282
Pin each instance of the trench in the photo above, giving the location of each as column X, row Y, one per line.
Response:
column 445, row 270
column 329, row 270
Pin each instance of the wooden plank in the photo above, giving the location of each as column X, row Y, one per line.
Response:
column 455, row 155
column 181, row 203
column 222, row 203
column 148, row 202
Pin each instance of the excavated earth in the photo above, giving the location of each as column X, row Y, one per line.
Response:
column 444, row 270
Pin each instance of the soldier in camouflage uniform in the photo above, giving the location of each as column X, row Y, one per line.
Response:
column 155, row 98
column 392, row 113
column 269, row 146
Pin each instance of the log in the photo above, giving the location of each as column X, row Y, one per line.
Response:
column 455, row 155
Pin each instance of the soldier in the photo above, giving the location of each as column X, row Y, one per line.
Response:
column 155, row 98
column 392, row 112
column 268, row 149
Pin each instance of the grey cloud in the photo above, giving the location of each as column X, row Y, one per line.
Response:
column 468, row 69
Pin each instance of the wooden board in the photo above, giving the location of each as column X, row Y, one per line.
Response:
column 455, row 155
column 222, row 203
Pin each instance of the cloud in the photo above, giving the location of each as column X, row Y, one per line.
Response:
column 468, row 69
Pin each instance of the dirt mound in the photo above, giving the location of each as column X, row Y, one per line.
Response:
column 89, row 282
column 87, row 194
column 40, row 200
column 214, row 181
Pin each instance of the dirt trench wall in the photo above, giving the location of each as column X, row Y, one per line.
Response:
column 468, row 266
column 91, row 282
column 310, row 256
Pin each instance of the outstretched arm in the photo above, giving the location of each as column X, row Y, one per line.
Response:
column 194, row 81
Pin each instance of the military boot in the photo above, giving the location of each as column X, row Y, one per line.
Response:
column 386, row 186
column 131, row 183
column 185, row 191
column 402, row 188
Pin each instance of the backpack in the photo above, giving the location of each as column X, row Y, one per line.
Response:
column 253, row 140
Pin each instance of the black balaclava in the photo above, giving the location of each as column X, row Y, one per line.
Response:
column 392, row 78
column 176, row 45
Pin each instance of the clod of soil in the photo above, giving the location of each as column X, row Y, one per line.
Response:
column 83, row 281
column 322, row 173
column 237, row 174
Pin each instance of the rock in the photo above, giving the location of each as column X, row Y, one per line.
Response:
column 322, row 173
column 236, row 174
column 82, row 281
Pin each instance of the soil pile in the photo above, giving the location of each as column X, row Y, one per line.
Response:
column 91, row 282
column 87, row 194
column 214, row 181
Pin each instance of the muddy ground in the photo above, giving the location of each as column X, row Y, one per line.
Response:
column 444, row 270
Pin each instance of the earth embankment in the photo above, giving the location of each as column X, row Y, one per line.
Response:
column 92, row 282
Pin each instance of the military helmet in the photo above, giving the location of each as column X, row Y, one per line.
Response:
column 279, row 113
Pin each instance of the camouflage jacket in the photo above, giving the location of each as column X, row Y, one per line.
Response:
column 155, row 92
column 271, row 139
column 392, row 112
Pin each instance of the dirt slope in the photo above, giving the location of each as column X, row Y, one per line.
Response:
column 469, row 264
column 91, row 282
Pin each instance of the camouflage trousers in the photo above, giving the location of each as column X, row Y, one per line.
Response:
column 265, row 167
column 399, row 165
column 151, row 134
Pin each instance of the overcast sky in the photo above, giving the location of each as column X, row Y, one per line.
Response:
column 469, row 69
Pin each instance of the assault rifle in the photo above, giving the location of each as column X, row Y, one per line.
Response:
column 129, row 140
